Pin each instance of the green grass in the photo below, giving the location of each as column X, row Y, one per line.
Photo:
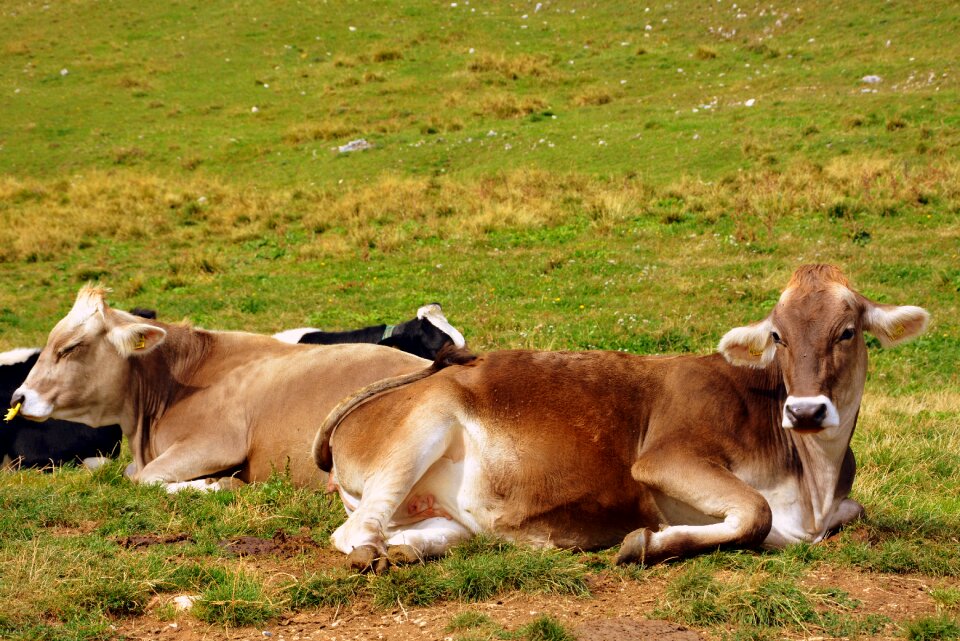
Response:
column 559, row 186
column 941, row 628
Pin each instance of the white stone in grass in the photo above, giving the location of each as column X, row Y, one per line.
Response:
column 355, row 145
column 751, row 102
column 184, row 602
column 872, row 79
column 64, row 71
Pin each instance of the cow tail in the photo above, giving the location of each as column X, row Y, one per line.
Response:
column 448, row 355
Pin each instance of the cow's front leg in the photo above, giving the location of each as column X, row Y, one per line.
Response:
column 185, row 464
column 848, row 510
column 689, row 490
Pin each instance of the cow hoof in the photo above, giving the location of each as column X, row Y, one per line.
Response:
column 403, row 555
column 634, row 547
column 367, row 558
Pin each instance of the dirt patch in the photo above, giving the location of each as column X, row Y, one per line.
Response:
column 280, row 545
column 146, row 540
column 627, row 629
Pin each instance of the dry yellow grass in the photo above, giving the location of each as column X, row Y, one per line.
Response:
column 313, row 131
column 503, row 106
column 593, row 96
column 513, row 67
column 41, row 219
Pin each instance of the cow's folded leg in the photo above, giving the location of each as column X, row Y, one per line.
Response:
column 383, row 492
column 185, row 464
column 848, row 510
column 743, row 515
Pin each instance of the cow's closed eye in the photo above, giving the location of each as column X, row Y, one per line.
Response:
column 63, row 352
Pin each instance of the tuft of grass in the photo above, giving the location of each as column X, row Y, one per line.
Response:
column 946, row 597
column 410, row 585
column 306, row 132
column 468, row 620
column 938, row 628
column 234, row 598
column 387, row 55
column 338, row 589
column 546, row 628
column 506, row 106
column 483, row 569
column 512, row 67
column 705, row 53
column 593, row 96
column 759, row 601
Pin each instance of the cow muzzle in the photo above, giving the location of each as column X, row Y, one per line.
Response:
column 809, row 413
column 32, row 407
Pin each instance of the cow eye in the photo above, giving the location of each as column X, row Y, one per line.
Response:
column 847, row 334
column 776, row 338
column 66, row 351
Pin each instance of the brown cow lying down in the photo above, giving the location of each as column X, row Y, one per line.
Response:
column 669, row 455
column 196, row 403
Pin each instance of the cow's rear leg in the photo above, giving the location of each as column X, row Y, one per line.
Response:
column 743, row 516
column 382, row 494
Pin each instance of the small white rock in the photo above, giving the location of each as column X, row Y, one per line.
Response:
column 750, row 103
column 872, row 79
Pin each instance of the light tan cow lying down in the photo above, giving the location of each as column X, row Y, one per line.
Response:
column 195, row 403
column 669, row 455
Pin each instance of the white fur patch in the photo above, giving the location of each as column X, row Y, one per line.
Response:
column 749, row 346
column 33, row 406
column 433, row 313
column 832, row 419
column 293, row 336
column 88, row 304
column 16, row 356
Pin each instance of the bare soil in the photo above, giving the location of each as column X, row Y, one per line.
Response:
column 618, row 610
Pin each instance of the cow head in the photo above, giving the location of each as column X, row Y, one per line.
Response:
column 426, row 334
column 81, row 373
column 815, row 336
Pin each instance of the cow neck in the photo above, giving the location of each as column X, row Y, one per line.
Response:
column 816, row 458
column 159, row 379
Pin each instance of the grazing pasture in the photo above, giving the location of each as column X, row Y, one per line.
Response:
column 560, row 175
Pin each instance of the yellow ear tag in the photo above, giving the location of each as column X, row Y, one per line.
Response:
column 756, row 352
column 12, row 412
column 141, row 343
column 897, row 331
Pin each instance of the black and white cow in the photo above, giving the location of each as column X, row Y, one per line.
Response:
column 422, row 336
column 27, row 444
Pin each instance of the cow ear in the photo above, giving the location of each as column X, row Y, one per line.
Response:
column 749, row 346
column 136, row 339
column 434, row 314
column 892, row 324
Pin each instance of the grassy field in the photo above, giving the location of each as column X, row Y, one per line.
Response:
column 559, row 175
